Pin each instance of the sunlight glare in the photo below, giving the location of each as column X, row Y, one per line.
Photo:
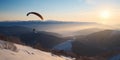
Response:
column 105, row 14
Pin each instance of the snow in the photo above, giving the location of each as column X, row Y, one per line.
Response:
column 27, row 53
column 66, row 46
column 7, row 45
column 117, row 57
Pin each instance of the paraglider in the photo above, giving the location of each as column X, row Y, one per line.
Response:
column 37, row 14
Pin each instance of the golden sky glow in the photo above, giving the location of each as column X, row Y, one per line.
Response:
column 105, row 14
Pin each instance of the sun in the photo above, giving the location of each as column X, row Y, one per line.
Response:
column 105, row 14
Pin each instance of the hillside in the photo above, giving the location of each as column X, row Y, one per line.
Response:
column 25, row 35
column 97, row 43
column 25, row 53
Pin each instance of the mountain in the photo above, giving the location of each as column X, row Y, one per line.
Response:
column 60, row 27
column 10, row 39
column 11, row 51
column 87, row 31
column 14, row 30
column 43, row 39
column 22, row 23
column 97, row 43
column 25, row 35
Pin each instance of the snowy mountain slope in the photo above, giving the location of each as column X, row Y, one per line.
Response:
column 7, row 45
column 66, row 46
column 26, row 53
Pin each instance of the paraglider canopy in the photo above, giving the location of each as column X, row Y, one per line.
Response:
column 35, row 13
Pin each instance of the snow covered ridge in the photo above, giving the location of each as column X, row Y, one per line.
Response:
column 66, row 46
column 7, row 45
column 25, row 53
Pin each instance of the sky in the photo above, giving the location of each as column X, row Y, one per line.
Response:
column 103, row 11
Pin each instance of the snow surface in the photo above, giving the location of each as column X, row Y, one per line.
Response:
column 66, row 46
column 27, row 53
column 7, row 45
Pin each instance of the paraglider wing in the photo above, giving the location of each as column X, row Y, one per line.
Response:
column 40, row 16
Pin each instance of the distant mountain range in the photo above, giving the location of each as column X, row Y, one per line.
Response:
column 27, row 36
column 84, row 42
column 87, row 31
column 63, row 28
column 19, row 23
column 97, row 42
